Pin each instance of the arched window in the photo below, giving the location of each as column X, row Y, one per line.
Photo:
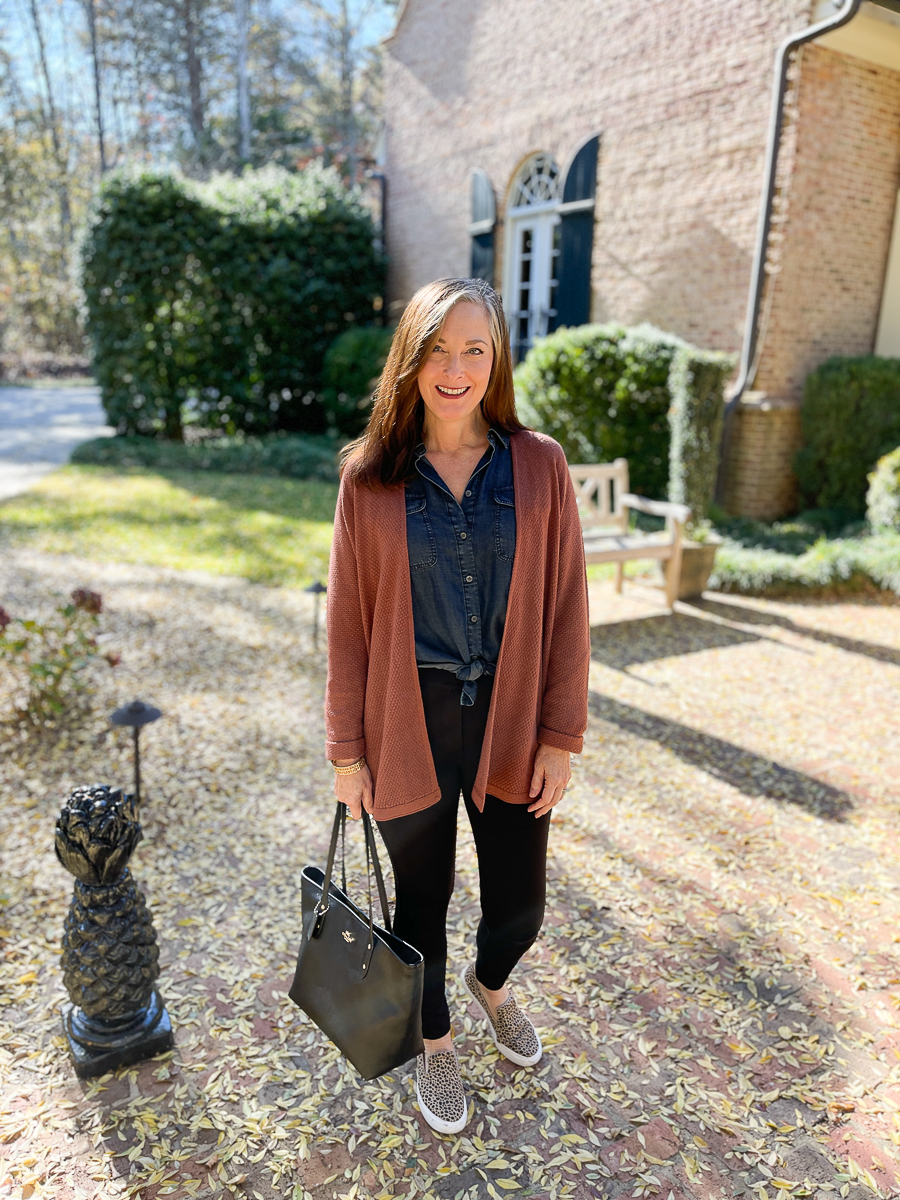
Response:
column 532, row 252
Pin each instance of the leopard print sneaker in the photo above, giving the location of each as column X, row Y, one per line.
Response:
column 514, row 1035
column 439, row 1091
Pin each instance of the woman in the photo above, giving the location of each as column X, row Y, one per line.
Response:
column 458, row 653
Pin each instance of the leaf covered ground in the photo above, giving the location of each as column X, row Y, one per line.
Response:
column 717, row 982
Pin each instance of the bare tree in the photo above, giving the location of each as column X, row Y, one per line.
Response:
column 95, row 60
column 243, row 78
column 52, row 126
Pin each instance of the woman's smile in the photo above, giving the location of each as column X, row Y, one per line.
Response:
column 448, row 391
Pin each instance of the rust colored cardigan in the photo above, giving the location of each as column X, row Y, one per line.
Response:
column 373, row 703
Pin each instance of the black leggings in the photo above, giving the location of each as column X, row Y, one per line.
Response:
column 511, row 845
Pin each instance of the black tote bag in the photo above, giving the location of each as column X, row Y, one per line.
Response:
column 356, row 980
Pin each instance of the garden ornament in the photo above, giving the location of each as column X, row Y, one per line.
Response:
column 110, row 957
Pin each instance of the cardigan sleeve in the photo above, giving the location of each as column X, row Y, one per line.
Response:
column 564, row 707
column 348, row 651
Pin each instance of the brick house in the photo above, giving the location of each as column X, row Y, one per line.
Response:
column 600, row 160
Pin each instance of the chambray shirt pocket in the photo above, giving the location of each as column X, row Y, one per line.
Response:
column 419, row 533
column 505, row 523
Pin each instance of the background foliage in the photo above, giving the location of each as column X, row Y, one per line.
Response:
column 851, row 417
column 697, row 386
column 602, row 391
column 86, row 88
column 224, row 296
column 352, row 365
column 296, row 456
column 883, row 496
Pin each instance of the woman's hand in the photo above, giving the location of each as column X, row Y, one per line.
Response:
column 355, row 790
column 548, row 781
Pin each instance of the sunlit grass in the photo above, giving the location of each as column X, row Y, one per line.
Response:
column 266, row 529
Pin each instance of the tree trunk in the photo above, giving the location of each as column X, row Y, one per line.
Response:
column 243, row 79
column 195, row 81
column 92, row 27
column 348, row 119
column 52, row 121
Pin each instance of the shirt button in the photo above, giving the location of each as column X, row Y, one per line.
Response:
column 468, row 579
column 468, row 491
column 473, row 619
column 463, row 536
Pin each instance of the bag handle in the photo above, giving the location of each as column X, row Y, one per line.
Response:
column 337, row 829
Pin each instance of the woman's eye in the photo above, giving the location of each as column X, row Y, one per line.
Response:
column 476, row 350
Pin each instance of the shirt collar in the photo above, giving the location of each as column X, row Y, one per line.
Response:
column 494, row 435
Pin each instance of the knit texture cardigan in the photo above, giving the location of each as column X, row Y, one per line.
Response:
column 373, row 703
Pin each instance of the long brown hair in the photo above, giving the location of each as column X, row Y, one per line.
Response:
column 383, row 455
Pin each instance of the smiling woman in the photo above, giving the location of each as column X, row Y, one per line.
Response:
column 458, row 654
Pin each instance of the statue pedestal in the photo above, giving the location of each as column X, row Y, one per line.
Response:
column 97, row 1045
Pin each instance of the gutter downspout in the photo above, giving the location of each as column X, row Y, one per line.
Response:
column 773, row 146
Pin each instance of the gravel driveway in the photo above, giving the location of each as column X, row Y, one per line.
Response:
column 717, row 982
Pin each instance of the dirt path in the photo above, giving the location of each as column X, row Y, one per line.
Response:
column 717, row 982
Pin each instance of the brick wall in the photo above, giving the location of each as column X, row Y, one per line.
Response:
column 762, row 439
column 830, row 247
column 680, row 95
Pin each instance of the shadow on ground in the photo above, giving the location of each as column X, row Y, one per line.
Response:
column 744, row 770
column 625, row 643
column 747, row 615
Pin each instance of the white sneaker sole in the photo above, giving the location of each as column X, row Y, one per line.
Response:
column 519, row 1059
column 436, row 1123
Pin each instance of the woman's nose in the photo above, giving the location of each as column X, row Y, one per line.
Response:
column 453, row 366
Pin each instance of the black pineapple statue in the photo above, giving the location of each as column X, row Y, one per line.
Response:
column 110, row 957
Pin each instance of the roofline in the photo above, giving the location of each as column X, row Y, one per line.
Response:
column 401, row 10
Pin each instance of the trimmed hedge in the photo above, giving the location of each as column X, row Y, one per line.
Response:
column 298, row 456
column 843, row 566
column 851, row 418
column 224, row 297
column 351, row 369
column 697, row 385
column 602, row 391
column 883, row 496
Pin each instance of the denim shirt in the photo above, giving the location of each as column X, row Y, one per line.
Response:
column 460, row 564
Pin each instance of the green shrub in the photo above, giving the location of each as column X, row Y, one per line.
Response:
column 352, row 366
column 602, row 391
column 51, row 656
column 883, row 496
column 697, row 386
column 843, row 566
column 222, row 298
column 298, row 456
column 851, row 417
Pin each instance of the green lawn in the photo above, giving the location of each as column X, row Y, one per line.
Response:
column 267, row 529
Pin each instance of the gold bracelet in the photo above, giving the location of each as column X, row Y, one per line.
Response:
column 351, row 769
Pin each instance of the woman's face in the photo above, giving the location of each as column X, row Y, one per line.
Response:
column 455, row 377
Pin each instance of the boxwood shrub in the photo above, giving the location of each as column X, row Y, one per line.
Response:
column 602, row 391
column 851, row 417
column 224, row 297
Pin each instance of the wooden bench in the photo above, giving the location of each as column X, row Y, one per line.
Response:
column 604, row 501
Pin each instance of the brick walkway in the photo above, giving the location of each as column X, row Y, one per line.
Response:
column 717, row 983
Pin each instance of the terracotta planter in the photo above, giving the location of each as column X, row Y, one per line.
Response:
column 697, row 560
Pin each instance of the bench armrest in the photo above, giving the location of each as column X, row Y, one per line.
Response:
column 657, row 508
